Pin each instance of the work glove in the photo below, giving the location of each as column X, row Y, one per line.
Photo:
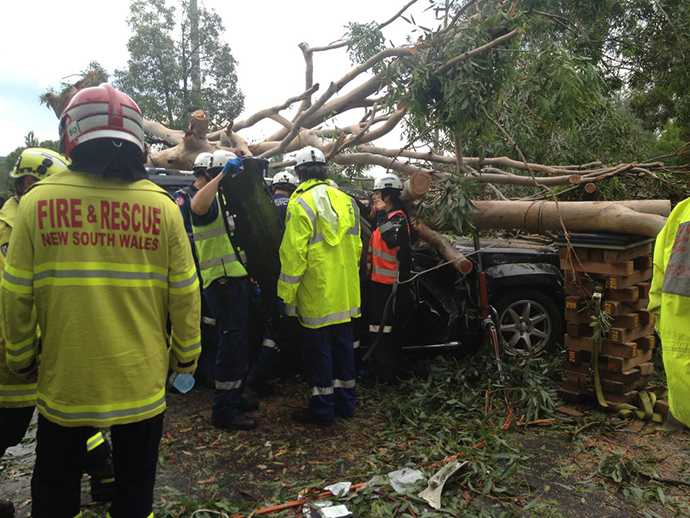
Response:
column 232, row 166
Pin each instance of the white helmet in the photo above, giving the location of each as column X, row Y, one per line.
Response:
column 389, row 181
column 309, row 155
column 203, row 161
column 285, row 177
column 220, row 158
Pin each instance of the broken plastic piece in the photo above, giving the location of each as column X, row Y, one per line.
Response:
column 403, row 479
column 339, row 489
column 432, row 493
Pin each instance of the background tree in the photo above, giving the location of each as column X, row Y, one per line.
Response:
column 7, row 164
column 178, row 64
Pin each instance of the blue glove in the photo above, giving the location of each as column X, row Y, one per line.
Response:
column 232, row 166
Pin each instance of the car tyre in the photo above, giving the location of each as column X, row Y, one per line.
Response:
column 529, row 322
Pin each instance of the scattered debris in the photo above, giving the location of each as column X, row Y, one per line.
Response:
column 432, row 493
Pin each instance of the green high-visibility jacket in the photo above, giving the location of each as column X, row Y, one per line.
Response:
column 105, row 262
column 319, row 256
column 669, row 302
column 217, row 257
column 14, row 392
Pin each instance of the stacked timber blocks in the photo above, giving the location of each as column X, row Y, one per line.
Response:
column 622, row 275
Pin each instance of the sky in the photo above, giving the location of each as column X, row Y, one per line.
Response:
column 53, row 40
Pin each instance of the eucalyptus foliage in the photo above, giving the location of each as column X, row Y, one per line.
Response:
column 161, row 69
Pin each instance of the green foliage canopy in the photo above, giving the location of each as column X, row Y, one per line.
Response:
column 161, row 68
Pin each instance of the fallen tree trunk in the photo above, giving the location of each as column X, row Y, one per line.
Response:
column 190, row 143
column 574, row 216
column 445, row 248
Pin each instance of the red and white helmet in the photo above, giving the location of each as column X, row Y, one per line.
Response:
column 101, row 112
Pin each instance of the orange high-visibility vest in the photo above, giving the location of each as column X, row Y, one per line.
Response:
column 382, row 261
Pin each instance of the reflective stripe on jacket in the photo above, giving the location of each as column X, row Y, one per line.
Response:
column 105, row 262
column 382, row 260
column 214, row 249
column 319, row 256
column 669, row 302
column 14, row 392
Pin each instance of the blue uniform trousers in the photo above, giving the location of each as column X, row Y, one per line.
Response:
column 228, row 299
column 209, row 343
column 329, row 363
column 387, row 352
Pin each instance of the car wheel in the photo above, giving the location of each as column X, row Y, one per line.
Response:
column 529, row 321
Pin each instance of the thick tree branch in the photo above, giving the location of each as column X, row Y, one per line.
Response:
column 333, row 89
column 479, row 50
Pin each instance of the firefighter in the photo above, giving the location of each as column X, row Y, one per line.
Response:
column 18, row 395
column 284, row 184
column 387, row 258
column 226, row 289
column 102, row 255
column 669, row 302
column 319, row 284
column 205, row 373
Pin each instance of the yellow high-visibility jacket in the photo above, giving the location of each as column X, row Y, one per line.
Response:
column 104, row 261
column 669, row 302
column 14, row 392
column 319, row 256
column 214, row 249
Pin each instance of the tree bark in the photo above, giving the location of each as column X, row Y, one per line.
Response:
column 445, row 248
column 576, row 216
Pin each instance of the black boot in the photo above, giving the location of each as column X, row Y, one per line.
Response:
column 6, row 509
column 239, row 422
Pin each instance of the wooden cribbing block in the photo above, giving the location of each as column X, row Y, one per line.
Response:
column 578, row 317
column 646, row 369
column 581, row 253
column 618, row 364
column 621, row 335
column 644, row 263
column 572, row 396
column 577, row 357
column 646, row 343
column 614, row 307
column 628, row 320
column 616, row 256
column 576, row 303
column 635, row 306
column 610, row 397
column 621, row 388
column 578, row 377
column 580, row 387
column 596, row 254
column 622, row 377
column 599, row 267
column 644, row 289
column 628, row 397
column 576, row 329
column 618, row 282
column 646, row 318
column 631, row 294
column 583, row 288
column 626, row 350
